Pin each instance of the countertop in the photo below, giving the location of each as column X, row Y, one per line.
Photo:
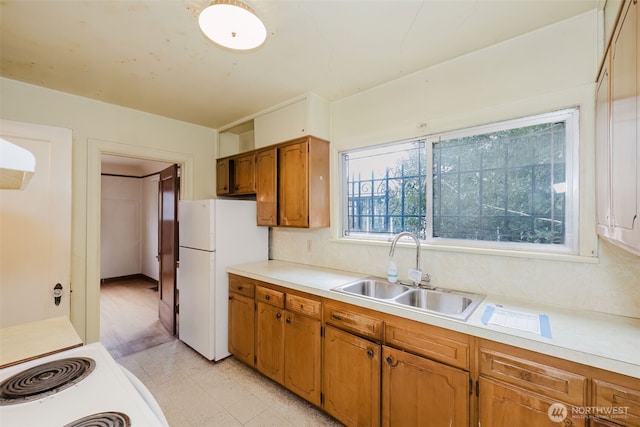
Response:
column 594, row 339
column 28, row 341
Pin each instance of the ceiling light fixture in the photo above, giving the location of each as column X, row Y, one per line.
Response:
column 232, row 24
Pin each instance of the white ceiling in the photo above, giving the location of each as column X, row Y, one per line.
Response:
column 150, row 54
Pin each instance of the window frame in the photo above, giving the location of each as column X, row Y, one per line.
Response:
column 572, row 209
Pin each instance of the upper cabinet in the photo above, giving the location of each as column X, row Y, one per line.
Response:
column 617, row 131
column 282, row 157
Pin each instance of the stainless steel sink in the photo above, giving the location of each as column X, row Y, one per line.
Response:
column 373, row 288
column 444, row 302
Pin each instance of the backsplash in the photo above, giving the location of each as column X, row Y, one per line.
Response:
column 611, row 286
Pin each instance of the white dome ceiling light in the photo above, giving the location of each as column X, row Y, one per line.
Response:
column 232, row 24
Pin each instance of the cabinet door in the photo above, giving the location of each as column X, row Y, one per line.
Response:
column 222, row 177
column 302, row 356
column 502, row 405
column 351, row 378
column 266, row 187
column 241, row 328
column 244, row 181
column 293, row 185
column 603, row 156
column 270, row 341
column 624, row 118
column 420, row 392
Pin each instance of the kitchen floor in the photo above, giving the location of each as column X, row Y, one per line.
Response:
column 193, row 391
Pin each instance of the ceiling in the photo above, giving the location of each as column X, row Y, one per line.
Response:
column 150, row 54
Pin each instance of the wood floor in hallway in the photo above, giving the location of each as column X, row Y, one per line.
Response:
column 129, row 317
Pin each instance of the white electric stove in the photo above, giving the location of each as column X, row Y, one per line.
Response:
column 83, row 386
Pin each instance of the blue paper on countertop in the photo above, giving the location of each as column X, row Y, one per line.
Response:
column 523, row 321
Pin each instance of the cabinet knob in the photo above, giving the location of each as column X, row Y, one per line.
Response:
column 288, row 320
column 239, row 288
column 267, row 297
column 370, row 353
column 389, row 360
column 278, row 315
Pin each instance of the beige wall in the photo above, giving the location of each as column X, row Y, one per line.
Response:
column 104, row 128
column 550, row 69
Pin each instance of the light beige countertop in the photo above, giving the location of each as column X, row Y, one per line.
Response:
column 28, row 341
column 595, row 339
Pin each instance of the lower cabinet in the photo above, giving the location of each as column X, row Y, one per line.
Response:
column 503, row 405
column 241, row 319
column 417, row 391
column 351, row 378
column 287, row 342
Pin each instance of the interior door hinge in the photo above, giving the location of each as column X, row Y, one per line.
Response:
column 322, row 331
column 477, row 388
column 177, row 310
column 470, row 387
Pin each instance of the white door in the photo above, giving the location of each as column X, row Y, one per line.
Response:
column 35, row 228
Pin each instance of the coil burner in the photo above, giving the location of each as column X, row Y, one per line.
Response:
column 44, row 380
column 102, row 419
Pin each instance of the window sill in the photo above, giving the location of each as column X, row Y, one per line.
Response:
column 447, row 247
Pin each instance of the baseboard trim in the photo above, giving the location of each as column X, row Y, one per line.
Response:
column 138, row 276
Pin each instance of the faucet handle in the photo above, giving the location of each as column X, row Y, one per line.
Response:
column 415, row 276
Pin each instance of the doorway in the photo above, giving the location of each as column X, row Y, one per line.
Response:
column 129, row 267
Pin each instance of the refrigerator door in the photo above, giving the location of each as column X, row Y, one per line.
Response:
column 195, row 222
column 196, row 284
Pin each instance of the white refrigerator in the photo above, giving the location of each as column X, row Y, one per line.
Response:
column 213, row 234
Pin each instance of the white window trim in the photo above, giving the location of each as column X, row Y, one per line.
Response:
column 570, row 251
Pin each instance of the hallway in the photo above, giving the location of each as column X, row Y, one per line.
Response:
column 129, row 317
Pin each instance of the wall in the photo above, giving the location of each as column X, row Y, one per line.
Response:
column 120, row 227
column 104, row 128
column 549, row 69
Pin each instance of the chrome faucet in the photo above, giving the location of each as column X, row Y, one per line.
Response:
column 415, row 238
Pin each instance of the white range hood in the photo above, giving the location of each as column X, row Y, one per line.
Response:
column 17, row 165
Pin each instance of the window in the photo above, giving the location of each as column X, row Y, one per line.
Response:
column 507, row 185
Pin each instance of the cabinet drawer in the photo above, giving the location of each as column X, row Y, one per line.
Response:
column 623, row 402
column 270, row 296
column 241, row 285
column 534, row 376
column 302, row 305
column 429, row 341
column 351, row 319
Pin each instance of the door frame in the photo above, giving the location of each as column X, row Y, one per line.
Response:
column 87, row 306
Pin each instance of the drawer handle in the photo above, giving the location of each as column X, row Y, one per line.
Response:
column 267, row 297
column 370, row 353
column 278, row 315
column 335, row 316
column 526, row 376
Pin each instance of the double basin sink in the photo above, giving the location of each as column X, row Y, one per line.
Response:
column 444, row 302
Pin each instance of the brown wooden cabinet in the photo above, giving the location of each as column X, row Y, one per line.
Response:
column 288, row 341
column 244, row 179
column 303, row 183
column 223, row 177
column 270, row 333
column 242, row 318
column 235, row 175
column 417, row 391
column 267, row 187
column 351, row 378
column 504, row 405
column 619, row 398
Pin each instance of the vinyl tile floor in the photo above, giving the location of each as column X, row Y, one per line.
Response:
column 191, row 390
